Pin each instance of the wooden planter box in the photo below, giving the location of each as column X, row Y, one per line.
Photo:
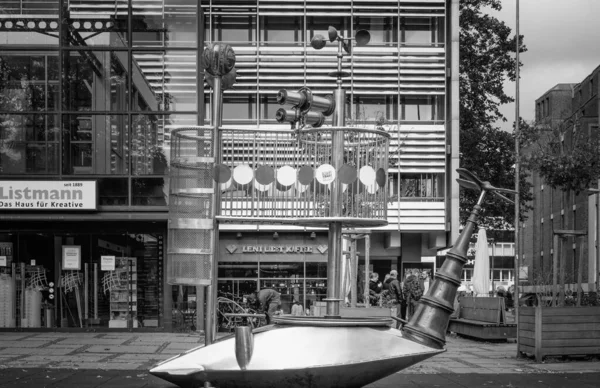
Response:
column 559, row 331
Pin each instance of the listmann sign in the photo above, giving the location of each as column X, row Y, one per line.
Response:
column 47, row 195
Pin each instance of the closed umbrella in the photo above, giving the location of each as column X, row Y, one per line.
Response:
column 481, row 272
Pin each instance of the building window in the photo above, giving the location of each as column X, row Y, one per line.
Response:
column 172, row 23
column 239, row 107
column 383, row 30
column 28, row 82
column 234, row 28
column 29, row 144
column 375, row 109
column 281, row 29
column 318, row 25
column 421, row 185
column 422, row 108
column 421, row 30
column 96, row 80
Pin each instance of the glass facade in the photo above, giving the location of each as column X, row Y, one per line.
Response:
column 96, row 95
column 90, row 90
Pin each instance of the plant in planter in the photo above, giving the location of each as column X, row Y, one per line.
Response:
column 566, row 156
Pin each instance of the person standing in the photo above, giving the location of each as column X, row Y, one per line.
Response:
column 297, row 309
column 375, row 288
column 412, row 291
column 395, row 289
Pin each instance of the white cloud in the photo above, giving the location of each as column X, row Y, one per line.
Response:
column 562, row 37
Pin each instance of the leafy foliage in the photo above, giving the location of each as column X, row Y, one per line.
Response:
column 566, row 158
column 486, row 60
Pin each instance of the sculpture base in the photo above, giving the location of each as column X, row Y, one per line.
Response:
column 296, row 353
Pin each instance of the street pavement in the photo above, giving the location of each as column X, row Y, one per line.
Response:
column 93, row 359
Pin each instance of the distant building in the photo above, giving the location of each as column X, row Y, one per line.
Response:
column 571, row 106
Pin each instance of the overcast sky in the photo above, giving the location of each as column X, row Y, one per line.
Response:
column 563, row 42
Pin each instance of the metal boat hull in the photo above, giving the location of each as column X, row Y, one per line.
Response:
column 299, row 356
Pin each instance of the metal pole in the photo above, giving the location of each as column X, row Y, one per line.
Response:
column 334, row 256
column 517, row 179
column 210, row 320
column 353, row 285
column 492, row 266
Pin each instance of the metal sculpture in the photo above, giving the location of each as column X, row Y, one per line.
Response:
column 332, row 351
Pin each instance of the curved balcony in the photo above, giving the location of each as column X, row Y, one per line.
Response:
column 287, row 177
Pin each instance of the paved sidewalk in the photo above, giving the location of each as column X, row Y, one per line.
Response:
column 139, row 351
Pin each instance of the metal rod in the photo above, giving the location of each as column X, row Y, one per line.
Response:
column 554, row 271
column 517, row 177
column 354, row 277
column 86, row 307
column 210, row 326
column 95, row 291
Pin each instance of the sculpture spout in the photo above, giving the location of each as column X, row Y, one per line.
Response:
column 429, row 322
column 244, row 345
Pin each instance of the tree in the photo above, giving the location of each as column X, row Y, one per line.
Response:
column 558, row 165
column 486, row 60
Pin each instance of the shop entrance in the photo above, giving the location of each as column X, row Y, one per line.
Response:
column 81, row 280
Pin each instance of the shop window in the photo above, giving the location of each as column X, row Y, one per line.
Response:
column 282, row 269
column 113, row 191
column 277, row 29
column 96, row 80
column 149, row 192
column 234, row 28
column 96, row 144
column 29, row 144
column 238, row 269
column 316, row 270
column 165, row 80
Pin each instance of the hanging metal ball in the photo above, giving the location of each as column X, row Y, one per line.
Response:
column 218, row 59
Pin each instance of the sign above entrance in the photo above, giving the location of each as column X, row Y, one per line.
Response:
column 48, row 195
column 292, row 249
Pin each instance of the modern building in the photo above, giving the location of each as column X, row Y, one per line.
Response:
column 573, row 109
column 90, row 89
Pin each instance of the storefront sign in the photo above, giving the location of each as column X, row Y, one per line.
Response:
column 71, row 257
column 276, row 249
column 3, row 261
column 48, row 195
column 107, row 263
